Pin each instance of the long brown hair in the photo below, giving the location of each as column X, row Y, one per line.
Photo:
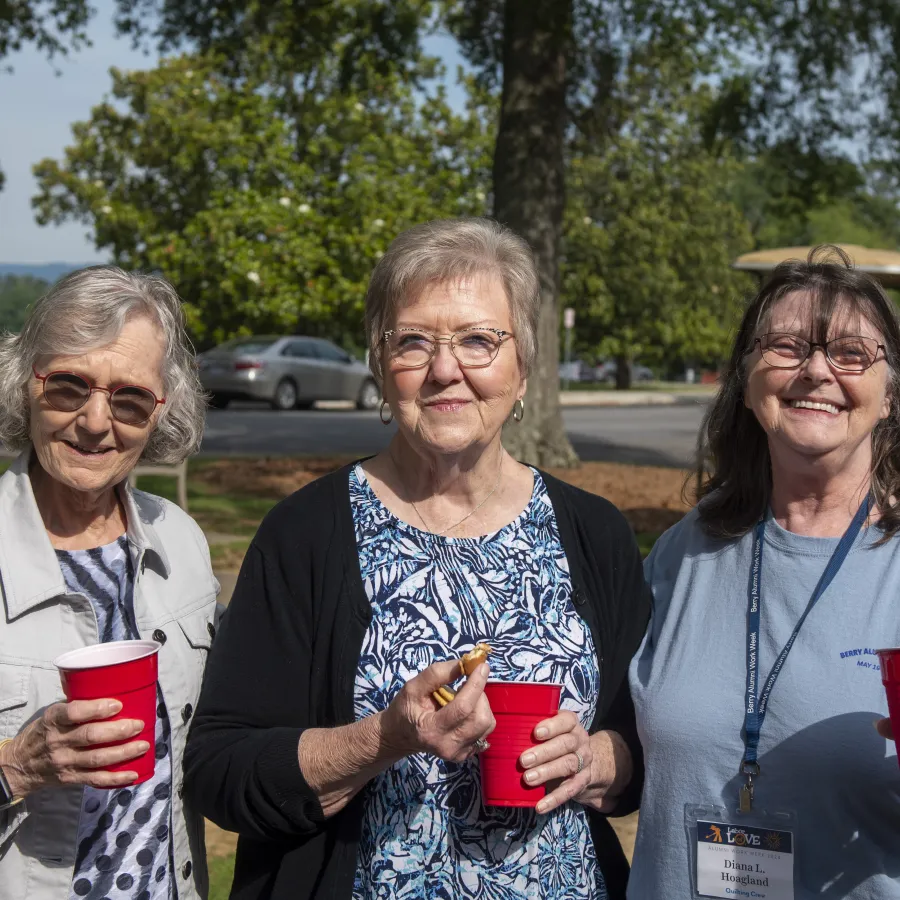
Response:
column 735, row 490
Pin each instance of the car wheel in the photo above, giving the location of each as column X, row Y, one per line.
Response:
column 369, row 396
column 285, row 395
column 219, row 401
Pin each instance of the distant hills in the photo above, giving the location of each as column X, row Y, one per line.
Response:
column 47, row 271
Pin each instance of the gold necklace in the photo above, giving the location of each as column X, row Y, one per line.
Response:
column 468, row 515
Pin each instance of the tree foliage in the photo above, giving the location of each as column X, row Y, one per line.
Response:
column 263, row 220
column 650, row 235
column 17, row 293
column 814, row 69
column 792, row 196
column 280, row 232
column 53, row 26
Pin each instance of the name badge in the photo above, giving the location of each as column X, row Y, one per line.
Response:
column 742, row 860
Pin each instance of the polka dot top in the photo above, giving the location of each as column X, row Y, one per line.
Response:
column 123, row 846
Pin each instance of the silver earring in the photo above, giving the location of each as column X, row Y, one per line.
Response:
column 390, row 418
column 518, row 412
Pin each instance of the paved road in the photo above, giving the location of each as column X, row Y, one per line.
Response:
column 657, row 435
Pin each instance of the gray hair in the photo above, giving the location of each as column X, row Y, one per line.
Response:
column 85, row 310
column 449, row 250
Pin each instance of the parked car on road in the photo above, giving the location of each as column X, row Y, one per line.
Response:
column 287, row 372
column 607, row 372
column 577, row 370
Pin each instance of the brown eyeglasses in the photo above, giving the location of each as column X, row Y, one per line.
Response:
column 852, row 353
column 474, row 348
column 129, row 404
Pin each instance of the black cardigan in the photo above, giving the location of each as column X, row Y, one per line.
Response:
column 286, row 657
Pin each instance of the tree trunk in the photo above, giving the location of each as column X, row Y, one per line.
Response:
column 529, row 196
column 623, row 373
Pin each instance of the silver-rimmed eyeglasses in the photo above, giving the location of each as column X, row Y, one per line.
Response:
column 474, row 348
column 851, row 353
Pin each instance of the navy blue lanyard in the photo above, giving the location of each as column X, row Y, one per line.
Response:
column 757, row 700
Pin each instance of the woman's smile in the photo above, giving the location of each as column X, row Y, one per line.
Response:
column 813, row 407
column 84, row 450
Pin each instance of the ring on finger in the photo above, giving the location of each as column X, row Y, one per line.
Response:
column 481, row 745
column 580, row 759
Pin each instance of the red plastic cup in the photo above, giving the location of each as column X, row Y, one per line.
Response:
column 890, row 678
column 518, row 707
column 119, row 670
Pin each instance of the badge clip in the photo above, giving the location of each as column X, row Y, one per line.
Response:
column 749, row 770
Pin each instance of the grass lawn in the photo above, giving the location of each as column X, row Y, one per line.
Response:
column 219, row 512
column 221, row 871
column 646, row 540
column 216, row 510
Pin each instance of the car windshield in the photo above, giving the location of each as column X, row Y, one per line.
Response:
column 247, row 345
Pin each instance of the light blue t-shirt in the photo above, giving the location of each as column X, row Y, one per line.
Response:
column 819, row 753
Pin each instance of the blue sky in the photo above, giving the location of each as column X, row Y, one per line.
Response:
column 37, row 108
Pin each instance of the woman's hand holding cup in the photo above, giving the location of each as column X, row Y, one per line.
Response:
column 60, row 748
column 414, row 723
column 563, row 755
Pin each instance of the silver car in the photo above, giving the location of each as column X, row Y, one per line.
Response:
column 288, row 372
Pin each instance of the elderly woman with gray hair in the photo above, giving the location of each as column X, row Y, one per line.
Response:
column 100, row 377
column 317, row 736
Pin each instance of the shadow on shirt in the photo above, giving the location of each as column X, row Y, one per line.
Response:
column 846, row 793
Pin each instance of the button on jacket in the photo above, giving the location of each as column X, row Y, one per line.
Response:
column 174, row 603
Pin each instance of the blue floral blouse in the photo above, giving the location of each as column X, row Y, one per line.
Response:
column 425, row 832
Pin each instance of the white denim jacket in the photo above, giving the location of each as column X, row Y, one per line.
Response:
column 174, row 603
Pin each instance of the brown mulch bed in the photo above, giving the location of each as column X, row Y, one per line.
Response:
column 651, row 497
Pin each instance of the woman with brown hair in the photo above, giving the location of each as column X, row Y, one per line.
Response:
column 757, row 685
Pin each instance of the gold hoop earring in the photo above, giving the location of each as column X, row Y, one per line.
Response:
column 390, row 418
column 518, row 412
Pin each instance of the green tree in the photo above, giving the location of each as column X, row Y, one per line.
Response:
column 17, row 293
column 817, row 70
column 650, row 235
column 785, row 68
column 50, row 25
column 206, row 179
column 796, row 196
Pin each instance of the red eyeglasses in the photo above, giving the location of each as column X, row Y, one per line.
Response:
column 129, row 404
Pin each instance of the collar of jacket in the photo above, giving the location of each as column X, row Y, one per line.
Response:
column 29, row 570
